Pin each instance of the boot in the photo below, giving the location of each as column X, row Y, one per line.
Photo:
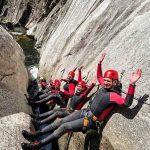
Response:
column 30, row 136
column 31, row 146
column 36, row 123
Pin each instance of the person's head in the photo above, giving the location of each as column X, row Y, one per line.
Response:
column 42, row 79
column 110, row 79
column 71, row 75
column 81, row 86
column 57, row 83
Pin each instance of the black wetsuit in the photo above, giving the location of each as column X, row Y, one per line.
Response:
column 74, row 122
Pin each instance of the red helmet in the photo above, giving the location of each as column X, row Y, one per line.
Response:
column 53, row 84
column 112, row 74
column 82, row 83
column 71, row 73
column 57, row 82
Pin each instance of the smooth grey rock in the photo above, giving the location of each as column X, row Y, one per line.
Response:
column 10, row 131
column 13, row 84
column 76, row 33
column 119, row 28
column 13, row 76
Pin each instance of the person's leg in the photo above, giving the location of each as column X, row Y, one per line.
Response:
column 75, row 125
column 30, row 136
column 56, row 114
column 57, row 123
column 44, row 96
column 43, row 115
column 44, row 100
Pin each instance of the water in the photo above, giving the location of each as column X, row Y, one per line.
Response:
column 31, row 54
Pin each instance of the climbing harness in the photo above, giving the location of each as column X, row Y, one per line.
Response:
column 85, row 124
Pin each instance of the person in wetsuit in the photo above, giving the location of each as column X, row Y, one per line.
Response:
column 76, row 103
column 63, row 96
column 106, row 97
column 47, row 96
column 40, row 88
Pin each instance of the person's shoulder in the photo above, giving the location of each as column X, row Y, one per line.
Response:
column 74, row 82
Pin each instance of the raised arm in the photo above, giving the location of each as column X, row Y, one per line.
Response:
column 80, row 74
column 99, row 70
column 133, row 79
column 88, row 90
column 130, row 94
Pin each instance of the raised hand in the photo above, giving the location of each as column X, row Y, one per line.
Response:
column 102, row 57
column 135, row 76
column 65, row 80
column 74, row 69
column 80, row 68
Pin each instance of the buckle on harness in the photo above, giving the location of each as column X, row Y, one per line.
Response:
column 98, row 125
column 85, row 124
column 94, row 118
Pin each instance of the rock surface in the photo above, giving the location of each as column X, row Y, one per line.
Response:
column 122, row 30
column 12, row 70
column 10, row 130
column 13, row 84
column 76, row 32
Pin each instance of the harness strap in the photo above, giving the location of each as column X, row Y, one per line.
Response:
column 95, row 119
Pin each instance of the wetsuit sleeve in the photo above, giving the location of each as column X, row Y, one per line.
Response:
column 79, row 76
column 71, row 90
column 130, row 95
column 65, row 80
column 88, row 90
column 99, row 75
column 114, row 97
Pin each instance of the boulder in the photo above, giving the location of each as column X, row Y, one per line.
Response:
column 13, row 85
column 11, row 127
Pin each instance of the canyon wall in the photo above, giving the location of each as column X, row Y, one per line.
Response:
column 76, row 32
